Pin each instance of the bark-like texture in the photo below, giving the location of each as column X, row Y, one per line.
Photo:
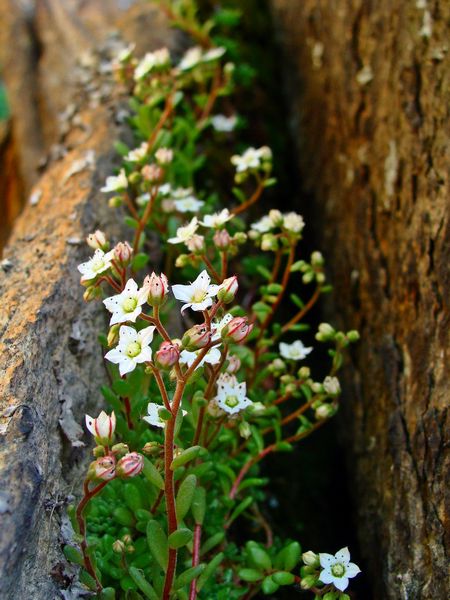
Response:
column 51, row 365
column 369, row 85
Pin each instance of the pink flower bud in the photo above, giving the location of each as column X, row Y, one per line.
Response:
column 130, row 465
column 97, row 240
column 234, row 364
column 164, row 155
column 196, row 243
column 123, row 253
column 228, row 290
column 196, row 337
column 167, row 355
column 222, row 239
column 103, row 468
column 152, row 173
column 158, row 288
column 237, row 329
column 102, row 428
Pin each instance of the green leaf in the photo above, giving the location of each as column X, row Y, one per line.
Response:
column 121, row 387
column 123, row 516
column 87, row 580
column 291, row 555
column 145, row 587
column 132, row 497
column 108, row 594
column 264, row 272
column 73, row 555
column 250, row 575
column 210, row 569
column 180, row 538
column 240, row 509
column 258, row 557
column 185, row 496
column 283, row 578
column 269, row 586
column 199, row 505
column 157, row 542
column 211, row 542
column 130, row 222
column 152, row 474
column 188, row 576
column 139, row 261
column 185, row 457
column 297, row 301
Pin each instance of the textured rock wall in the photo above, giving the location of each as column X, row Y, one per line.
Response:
column 369, row 87
column 51, row 365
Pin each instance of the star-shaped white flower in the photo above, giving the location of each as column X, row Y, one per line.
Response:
column 217, row 219
column 223, row 123
column 138, row 153
column 294, row 351
column 337, row 569
column 231, row 395
column 151, row 60
column 212, row 357
column 188, row 204
column 185, row 233
column 115, row 183
column 249, row 160
column 198, row 295
column 133, row 348
column 153, row 417
column 216, row 327
column 99, row 263
column 264, row 225
column 293, row 222
column 127, row 305
column 191, row 58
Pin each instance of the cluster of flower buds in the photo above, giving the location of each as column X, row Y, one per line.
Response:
column 326, row 333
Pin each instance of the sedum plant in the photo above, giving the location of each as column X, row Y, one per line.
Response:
column 204, row 352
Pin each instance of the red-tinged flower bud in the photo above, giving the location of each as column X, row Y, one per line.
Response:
column 234, row 364
column 196, row 337
column 158, row 288
column 123, row 253
column 167, row 355
column 196, row 243
column 102, row 428
column 103, row 468
column 237, row 329
column 222, row 239
column 97, row 240
column 152, row 173
column 130, row 465
column 228, row 289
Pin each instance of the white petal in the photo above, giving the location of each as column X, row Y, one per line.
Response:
column 343, row 555
column 326, row 560
column 144, row 356
column 146, row 335
column 341, row 583
column 114, row 356
column 203, row 280
column 131, row 286
column 119, row 317
column 126, row 365
column 128, row 334
column 326, row 577
column 90, row 424
column 213, row 289
column 213, row 356
column 352, row 570
column 182, row 292
column 134, row 315
column 201, row 305
column 113, row 302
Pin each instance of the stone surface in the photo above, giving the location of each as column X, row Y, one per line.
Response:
column 51, row 366
column 369, row 86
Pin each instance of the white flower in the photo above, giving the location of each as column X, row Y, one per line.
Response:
column 165, row 189
column 264, row 225
column 293, row 222
column 127, row 305
column 143, row 199
column 103, row 427
column 164, row 155
column 153, row 417
column 212, row 357
column 198, row 295
column 185, row 233
column 192, row 57
column 294, row 351
column 249, row 160
column 115, row 183
column 231, row 395
column 125, row 54
column 188, row 204
column 214, row 53
column 138, row 153
column 217, row 219
column 337, row 569
column 133, row 348
column 223, row 123
column 216, row 327
column 151, row 60
column 99, row 263
column 331, row 385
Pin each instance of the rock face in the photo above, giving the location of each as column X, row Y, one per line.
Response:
column 51, row 365
column 369, row 85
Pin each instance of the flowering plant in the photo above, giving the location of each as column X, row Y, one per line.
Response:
column 206, row 379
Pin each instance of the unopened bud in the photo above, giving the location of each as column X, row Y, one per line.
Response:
column 102, row 428
column 311, row 559
column 227, row 291
column 130, row 465
column 278, row 366
column 92, row 293
column 326, row 332
column 244, row 430
column 304, row 372
column 353, row 335
column 115, row 202
column 196, row 243
column 120, row 449
column 97, row 240
column 167, row 355
column 237, row 329
column 317, row 259
column 269, row 242
column 164, row 155
column 103, row 468
column 182, row 260
column 98, row 451
column 276, row 217
column 240, row 237
column 158, row 288
column 196, row 337
column 118, row 547
column 308, row 582
column 331, row 385
column 234, row 364
column 324, row 412
column 152, row 173
column 222, row 239
column 134, row 178
column 127, row 539
column 123, row 253
column 113, row 335
column 151, row 448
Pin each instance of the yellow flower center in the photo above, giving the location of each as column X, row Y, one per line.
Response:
column 199, row 296
column 231, row 401
column 129, row 304
column 133, row 349
column 338, row 570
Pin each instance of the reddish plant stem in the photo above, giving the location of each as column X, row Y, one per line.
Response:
column 302, row 312
column 248, row 465
column 88, row 495
column 253, row 198
column 130, row 206
column 162, row 119
column 215, row 87
column 144, row 220
column 161, row 386
column 224, row 265
column 189, row 28
column 127, row 405
column 195, row 559
column 208, row 263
